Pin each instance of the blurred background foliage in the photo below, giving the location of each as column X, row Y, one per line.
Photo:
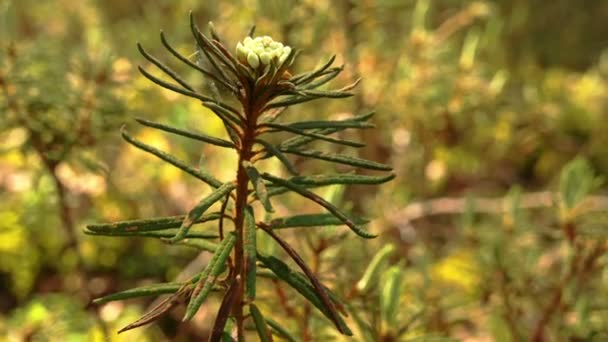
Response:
column 495, row 109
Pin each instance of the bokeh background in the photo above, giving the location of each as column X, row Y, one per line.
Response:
column 494, row 115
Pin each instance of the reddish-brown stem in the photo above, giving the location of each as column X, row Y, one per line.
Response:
column 242, row 193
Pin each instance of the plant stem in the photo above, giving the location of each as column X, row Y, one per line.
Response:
column 245, row 154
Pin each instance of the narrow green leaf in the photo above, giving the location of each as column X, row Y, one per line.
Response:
column 315, row 198
column 372, row 272
column 164, row 68
column 332, row 179
column 149, row 224
column 333, row 94
column 224, row 112
column 188, row 134
column 331, row 124
column 279, row 330
column 306, row 77
column 260, row 323
column 258, row 186
column 196, row 212
column 206, row 45
column 200, row 174
column 325, row 77
column 200, row 244
column 173, row 87
column 310, row 220
column 144, row 291
column 342, row 159
column 163, row 235
column 319, row 289
column 250, row 249
column 188, row 62
column 209, row 275
column 279, row 127
column 275, row 152
column 296, row 142
column 303, row 287
column 290, row 101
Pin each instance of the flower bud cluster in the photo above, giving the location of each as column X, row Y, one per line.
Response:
column 261, row 51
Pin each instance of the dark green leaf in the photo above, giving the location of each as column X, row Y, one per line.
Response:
column 200, row 174
column 250, row 249
column 187, row 134
column 209, row 275
column 342, row 159
column 165, row 234
column 285, row 273
column 275, row 152
column 310, row 220
column 329, row 179
column 260, row 323
column 315, row 198
column 150, row 224
column 200, row 209
column 185, row 60
column 279, row 127
column 144, row 291
column 280, row 330
column 296, row 142
column 258, row 186
column 164, row 68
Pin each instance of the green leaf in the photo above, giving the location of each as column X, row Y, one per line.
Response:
column 260, row 323
column 296, row 142
column 279, row 330
column 303, row 287
column 146, row 225
column 342, row 159
column 164, row 68
column 200, row 174
column 194, row 66
column 310, row 220
column 224, row 113
column 188, row 134
column 332, row 179
column 391, row 294
column 258, row 185
column 208, row 276
column 331, row 124
column 325, row 77
column 308, row 76
column 577, row 180
column 317, row 199
column 279, row 127
column 207, row 47
column 144, row 291
column 196, row 212
column 250, row 249
column 173, row 87
column 163, row 235
column 371, row 276
column 275, row 152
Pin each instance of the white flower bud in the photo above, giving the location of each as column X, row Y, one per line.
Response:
column 253, row 60
column 241, row 52
column 265, row 58
column 261, row 51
